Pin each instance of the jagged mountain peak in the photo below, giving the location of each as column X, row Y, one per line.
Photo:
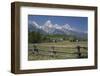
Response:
column 48, row 24
column 50, row 28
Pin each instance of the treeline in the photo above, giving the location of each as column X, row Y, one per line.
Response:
column 37, row 37
column 34, row 37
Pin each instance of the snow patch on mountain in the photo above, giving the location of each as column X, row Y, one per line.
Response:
column 50, row 28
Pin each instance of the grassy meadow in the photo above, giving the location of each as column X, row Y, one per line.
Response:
column 64, row 50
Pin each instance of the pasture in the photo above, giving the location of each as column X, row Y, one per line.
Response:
column 57, row 50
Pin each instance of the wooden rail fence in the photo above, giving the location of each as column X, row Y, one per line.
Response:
column 35, row 50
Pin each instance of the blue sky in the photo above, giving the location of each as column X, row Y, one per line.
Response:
column 80, row 23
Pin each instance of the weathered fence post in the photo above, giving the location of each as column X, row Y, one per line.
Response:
column 53, row 51
column 35, row 50
column 78, row 51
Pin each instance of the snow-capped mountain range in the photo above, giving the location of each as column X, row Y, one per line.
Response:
column 50, row 28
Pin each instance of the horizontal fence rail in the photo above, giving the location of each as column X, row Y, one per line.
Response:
column 52, row 51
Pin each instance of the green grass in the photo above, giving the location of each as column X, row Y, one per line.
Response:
column 65, row 46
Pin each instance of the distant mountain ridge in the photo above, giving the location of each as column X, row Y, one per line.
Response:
column 49, row 28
